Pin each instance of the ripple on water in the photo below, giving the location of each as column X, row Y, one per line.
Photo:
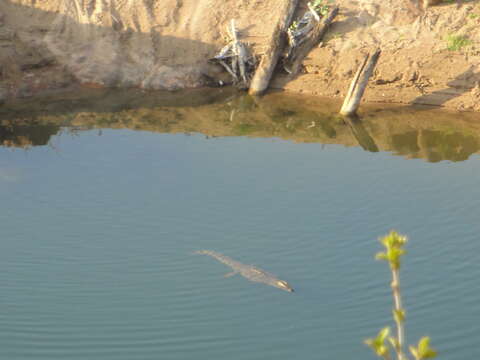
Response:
column 113, row 277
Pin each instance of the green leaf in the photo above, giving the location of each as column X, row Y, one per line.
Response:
column 426, row 352
column 382, row 335
column 399, row 315
column 393, row 243
column 378, row 344
column 430, row 354
column 423, row 344
column 394, row 239
column 382, row 351
column 381, row 256
column 423, row 350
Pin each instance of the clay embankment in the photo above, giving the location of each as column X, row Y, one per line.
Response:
column 165, row 44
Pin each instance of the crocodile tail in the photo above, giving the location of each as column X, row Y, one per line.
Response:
column 201, row 252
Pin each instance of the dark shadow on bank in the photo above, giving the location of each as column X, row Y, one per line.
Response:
column 30, row 65
column 462, row 83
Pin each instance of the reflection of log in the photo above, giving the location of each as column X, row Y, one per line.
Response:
column 361, row 134
column 277, row 42
column 312, row 40
column 359, row 83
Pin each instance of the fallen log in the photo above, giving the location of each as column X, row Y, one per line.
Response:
column 295, row 58
column 359, row 84
column 277, row 42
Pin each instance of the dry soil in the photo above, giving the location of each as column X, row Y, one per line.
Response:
column 166, row 44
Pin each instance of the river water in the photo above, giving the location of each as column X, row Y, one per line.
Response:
column 105, row 197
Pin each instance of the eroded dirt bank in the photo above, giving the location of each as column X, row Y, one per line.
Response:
column 151, row 44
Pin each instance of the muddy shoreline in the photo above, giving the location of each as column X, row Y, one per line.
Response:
column 55, row 45
column 423, row 132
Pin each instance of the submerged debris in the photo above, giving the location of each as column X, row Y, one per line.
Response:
column 236, row 58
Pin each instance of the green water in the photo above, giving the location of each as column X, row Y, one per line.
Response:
column 106, row 196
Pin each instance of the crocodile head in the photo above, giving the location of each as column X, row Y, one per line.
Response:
column 284, row 285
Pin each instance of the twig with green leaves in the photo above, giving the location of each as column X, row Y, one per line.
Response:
column 301, row 30
column 382, row 344
column 321, row 7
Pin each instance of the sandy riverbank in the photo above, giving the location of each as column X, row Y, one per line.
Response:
column 150, row 44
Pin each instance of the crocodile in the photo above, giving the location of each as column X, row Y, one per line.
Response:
column 249, row 272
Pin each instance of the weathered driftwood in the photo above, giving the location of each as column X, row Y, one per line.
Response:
column 277, row 42
column 313, row 11
column 298, row 53
column 299, row 29
column 240, row 52
column 236, row 59
column 359, row 84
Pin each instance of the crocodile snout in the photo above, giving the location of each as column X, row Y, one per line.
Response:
column 284, row 285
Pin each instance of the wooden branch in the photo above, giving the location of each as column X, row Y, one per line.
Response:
column 312, row 10
column 359, row 84
column 242, row 62
column 233, row 35
column 233, row 31
column 294, row 62
column 264, row 72
column 240, row 59
column 397, row 299
column 230, row 71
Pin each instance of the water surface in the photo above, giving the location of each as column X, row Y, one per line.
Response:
column 105, row 199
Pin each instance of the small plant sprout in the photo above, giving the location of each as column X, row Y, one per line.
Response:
column 320, row 6
column 457, row 42
column 394, row 249
column 293, row 26
column 379, row 345
column 423, row 350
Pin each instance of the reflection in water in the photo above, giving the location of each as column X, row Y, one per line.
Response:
column 432, row 135
column 434, row 145
column 455, row 146
column 361, row 135
column 25, row 136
